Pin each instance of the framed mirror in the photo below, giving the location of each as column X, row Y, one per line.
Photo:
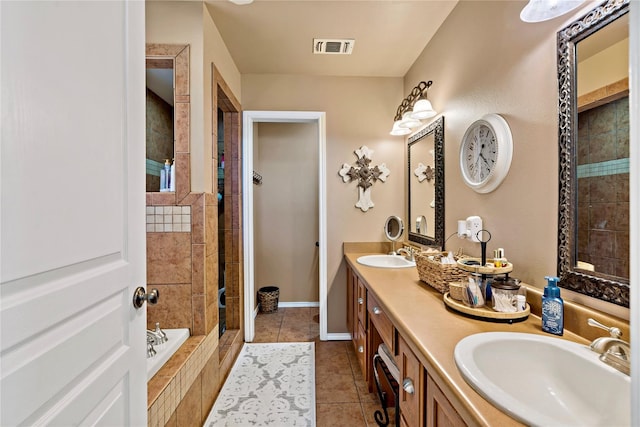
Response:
column 425, row 161
column 593, row 210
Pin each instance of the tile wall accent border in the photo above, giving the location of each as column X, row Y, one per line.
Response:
column 162, row 219
column 609, row 167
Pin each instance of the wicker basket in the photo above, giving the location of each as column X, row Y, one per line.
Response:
column 436, row 274
column 268, row 299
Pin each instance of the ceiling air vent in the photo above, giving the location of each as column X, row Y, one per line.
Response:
column 333, row 46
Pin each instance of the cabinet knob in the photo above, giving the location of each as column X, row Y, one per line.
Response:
column 407, row 385
column 376, row 310
column 361, row 349
column 360, row 300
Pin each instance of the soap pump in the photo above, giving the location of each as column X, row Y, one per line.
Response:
column 552, row 308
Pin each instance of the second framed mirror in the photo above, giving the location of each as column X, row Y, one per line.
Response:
column 425, row 186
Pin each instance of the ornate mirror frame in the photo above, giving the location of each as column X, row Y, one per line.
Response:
column 437, row 129
column 597, row 285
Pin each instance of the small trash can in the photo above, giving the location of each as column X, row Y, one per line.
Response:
column 268, row 299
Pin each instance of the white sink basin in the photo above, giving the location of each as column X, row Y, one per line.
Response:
column 544, row 381
column 386, row 261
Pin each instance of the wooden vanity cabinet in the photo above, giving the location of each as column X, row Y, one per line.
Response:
column 422, row 402
column 357, row 318
column 440, row 412
column 411, row 393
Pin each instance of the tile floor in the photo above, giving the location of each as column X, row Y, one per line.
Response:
column 342, row 398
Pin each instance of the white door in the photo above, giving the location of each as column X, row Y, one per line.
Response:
column 72, row 213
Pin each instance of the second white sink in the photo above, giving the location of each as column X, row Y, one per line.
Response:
column 386, row 261
column 543, row 380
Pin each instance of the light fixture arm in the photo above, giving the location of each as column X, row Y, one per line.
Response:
column 416, row 93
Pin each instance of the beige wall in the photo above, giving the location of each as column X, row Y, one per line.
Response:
column 359, row 112
column 286, row 210
column 217, row 54
column 186, row 22
column 485, row 60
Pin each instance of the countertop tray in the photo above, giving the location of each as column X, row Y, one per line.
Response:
column 483, row 269
column 485, row 313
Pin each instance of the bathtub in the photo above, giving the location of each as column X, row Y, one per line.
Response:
column 166, row 350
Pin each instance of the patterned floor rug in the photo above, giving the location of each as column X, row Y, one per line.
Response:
column 269, row 385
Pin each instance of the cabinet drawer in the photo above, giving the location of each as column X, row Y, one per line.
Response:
column 381, row 321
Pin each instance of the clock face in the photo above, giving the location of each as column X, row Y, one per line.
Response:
column 480, row 153
column 485, row 153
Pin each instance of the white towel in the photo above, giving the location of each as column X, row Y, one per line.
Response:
column 390, row 361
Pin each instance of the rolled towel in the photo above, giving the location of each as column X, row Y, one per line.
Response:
column 389, row 360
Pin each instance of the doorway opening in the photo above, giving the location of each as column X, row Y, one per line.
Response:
column 250, row 121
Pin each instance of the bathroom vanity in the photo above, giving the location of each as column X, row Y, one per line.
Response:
column 393, row 306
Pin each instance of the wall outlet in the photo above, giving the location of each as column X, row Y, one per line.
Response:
column 474, row 225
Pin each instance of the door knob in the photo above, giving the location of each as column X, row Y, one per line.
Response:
column 140, row 296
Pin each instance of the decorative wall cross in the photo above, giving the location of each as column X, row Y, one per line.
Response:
column 365, row 175
column 426, row 172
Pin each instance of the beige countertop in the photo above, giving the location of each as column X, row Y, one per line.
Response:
column 432, row 331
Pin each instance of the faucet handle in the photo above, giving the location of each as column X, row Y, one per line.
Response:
column 613, row 331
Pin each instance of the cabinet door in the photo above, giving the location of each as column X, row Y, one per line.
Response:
column 360, row 343
column 411, row 385
column 440, row 412
column 350, row 301
column 362, row 303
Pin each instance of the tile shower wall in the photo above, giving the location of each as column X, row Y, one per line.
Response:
column 603, row 187
column 159, row 131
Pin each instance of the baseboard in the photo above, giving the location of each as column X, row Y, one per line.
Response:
column 299, row 304
column 255, row 311
column 341, row 336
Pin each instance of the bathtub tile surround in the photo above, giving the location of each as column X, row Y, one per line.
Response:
column 172, row 389
column 168, row 218
column 177, row 265
column 169, row 258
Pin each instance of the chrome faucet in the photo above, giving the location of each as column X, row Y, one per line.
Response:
column 408, row 251
column 613, row 351
column 150, row 350
column 157, row 336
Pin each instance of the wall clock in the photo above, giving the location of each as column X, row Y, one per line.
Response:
column 485, row 153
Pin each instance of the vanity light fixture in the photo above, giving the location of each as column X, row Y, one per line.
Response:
column 543, row 10
column 412, row 109
column 241, row 2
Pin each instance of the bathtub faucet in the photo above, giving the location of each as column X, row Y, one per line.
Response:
column 150, row 350
column 158, row 336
